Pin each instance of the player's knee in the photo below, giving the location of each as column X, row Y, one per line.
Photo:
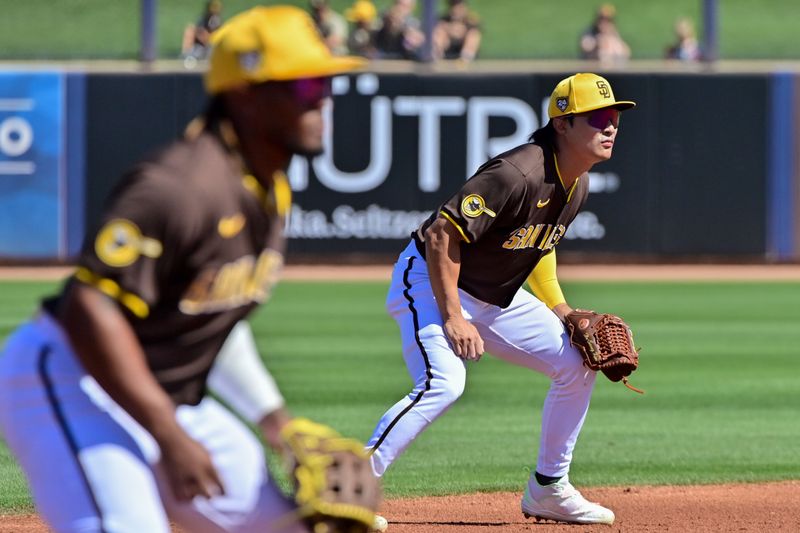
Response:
column 569, row 366
column 448, row 389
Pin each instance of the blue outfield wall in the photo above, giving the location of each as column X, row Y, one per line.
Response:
column 706, row 165
column 781, row 178
column 76, row 163
column 33, row 177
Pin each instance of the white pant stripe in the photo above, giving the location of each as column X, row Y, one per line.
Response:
column 422, row 351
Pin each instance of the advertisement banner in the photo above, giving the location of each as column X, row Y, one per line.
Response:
column 401, row 145
column 31, row 164
column 680, row 184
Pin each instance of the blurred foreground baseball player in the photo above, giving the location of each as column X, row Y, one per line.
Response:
column 103, row 395
column 456, row 290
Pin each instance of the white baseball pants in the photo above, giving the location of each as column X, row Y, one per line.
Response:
column 92, row 468
column 526, row 333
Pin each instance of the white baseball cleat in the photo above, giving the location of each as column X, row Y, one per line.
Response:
column 379, row 525
column 562, row 502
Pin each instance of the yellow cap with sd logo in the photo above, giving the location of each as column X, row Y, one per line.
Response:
column 271, row 43
column 583, row 92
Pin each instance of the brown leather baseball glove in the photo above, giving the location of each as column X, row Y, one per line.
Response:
column 334, row 487
column 605, row 342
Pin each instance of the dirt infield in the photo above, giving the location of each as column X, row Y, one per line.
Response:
column 712, row 508
column 626, row 272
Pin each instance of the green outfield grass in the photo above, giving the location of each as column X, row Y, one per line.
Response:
column 43, row 29
column 719, row 364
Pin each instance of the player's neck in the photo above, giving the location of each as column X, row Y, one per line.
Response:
column 263, row 161
column 570, row 167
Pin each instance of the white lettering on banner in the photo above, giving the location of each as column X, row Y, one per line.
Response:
column 347, row 222
column 586, row 226
column 17, row 168
column 17, row 104
column 603, row 182
column 298, row 173
column 480, row 146
column 16, row 136
column 340, row 85
column 380, row 161
column 429, row 109
column 546, row 109
column 367, row 84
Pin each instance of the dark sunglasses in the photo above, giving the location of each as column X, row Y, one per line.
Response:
column 309, row 91
column 600, row 118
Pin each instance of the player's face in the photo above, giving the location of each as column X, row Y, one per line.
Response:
column 595, row 132
column 294, row 120
column 309, row 95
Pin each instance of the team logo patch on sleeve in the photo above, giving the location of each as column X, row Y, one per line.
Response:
column 120, row 243
column 474, row 205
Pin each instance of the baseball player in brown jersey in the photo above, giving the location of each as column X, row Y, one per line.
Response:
column 456, row 290
column 103, row 395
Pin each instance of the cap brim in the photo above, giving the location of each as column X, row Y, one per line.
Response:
column 330, row 67
column 622, row 105
column 625, row 104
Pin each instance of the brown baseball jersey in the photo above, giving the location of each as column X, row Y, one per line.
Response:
column 510, row 213
column 188, row 245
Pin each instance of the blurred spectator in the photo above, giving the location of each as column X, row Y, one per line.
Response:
column 362, row 15
column 400, row 36
column 685, row 47
column 331, row 25
column 457, row 34
column 602, row 41
column 196, row 37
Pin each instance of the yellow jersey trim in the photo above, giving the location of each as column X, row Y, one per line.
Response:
column 453, row 222
column 230, row 227
column 110, row 288
column 251, row 184
column 279, row 201
column 572, row 189
column 574, row 184
column 283, row 193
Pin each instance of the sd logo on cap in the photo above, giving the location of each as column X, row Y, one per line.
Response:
column 581, row 93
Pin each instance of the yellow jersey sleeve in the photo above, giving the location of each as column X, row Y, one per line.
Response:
column 544, row 283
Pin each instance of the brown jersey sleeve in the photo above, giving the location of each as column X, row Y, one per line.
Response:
column 493, row 194
column 146, row 226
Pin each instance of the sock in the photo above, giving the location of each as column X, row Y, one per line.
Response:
column 545, row 480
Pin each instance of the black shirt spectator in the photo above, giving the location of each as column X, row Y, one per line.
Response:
column 458, row 33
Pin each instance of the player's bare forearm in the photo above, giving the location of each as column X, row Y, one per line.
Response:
column 443, row 254
column 106, row 345
column 562, row 310
column 271, row 425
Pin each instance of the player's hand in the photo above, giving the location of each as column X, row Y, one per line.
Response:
column 562, row 310
column 464, row 337
column 189, row 469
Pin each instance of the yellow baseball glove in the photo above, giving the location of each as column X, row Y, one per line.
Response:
column 334, row 487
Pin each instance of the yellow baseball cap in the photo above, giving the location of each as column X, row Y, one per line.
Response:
column 271, row 43
column 583, row 92
column 361, row 10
